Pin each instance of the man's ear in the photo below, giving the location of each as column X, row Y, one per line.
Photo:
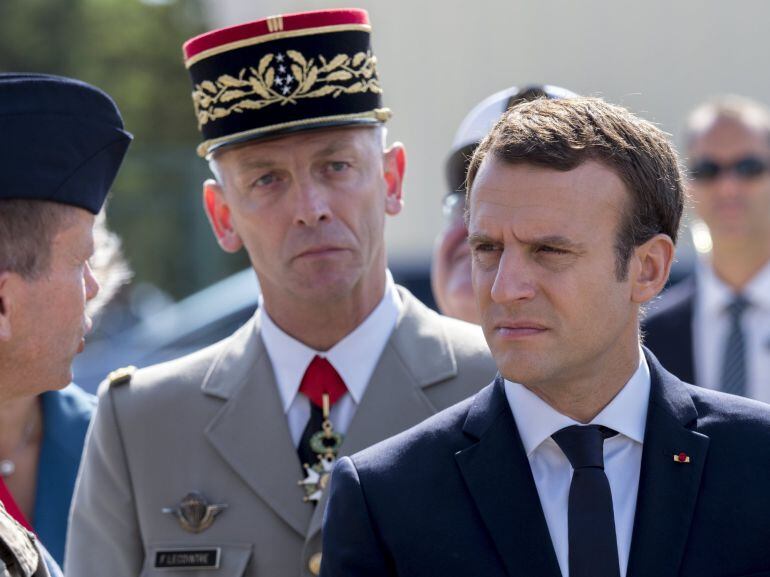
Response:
column 6, row 304
column 650, row 267
column 218, row 212
column 395, row 167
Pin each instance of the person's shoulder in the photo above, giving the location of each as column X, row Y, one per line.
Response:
column 173, row 374
column 466, row 339
column 725, row 416
column 171, row 379
column 440, row 435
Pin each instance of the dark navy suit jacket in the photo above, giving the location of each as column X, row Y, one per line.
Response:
column 66, row 414
column 455, row 495
column 668, row 329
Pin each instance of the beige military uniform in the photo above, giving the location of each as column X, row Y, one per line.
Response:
column 19, row 555
column 213, row 424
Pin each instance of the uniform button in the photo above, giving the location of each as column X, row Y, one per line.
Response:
column 315, row 564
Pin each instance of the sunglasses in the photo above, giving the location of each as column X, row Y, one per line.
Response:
column 747, row 168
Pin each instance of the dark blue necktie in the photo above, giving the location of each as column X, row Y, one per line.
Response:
column 734, row 360
column 593, row 547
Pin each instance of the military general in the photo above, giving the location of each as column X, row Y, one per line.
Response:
column 218, row 461
column 63, row 143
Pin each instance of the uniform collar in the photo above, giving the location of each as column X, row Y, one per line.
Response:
column 354, row 357
column 626, row 413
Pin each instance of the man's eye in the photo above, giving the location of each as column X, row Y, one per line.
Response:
column 338, row 166
column 485, row 247
column 265, row 180
column 551, row 250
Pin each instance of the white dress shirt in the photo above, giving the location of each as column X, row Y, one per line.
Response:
column 354, row 358
column 626, row 414
column 711, row 325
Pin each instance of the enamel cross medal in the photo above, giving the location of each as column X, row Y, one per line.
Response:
column 325, row 444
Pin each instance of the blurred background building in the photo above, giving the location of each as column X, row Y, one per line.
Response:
column 436, row 60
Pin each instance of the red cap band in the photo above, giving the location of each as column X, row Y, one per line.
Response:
column 289, row 22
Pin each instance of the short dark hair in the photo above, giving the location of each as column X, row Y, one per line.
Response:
column 27, row 229
column 563, row 134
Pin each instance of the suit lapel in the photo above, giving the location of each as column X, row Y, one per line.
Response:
column 499, row 478
column 668, row 490
column 417, row 355
column 251, row 432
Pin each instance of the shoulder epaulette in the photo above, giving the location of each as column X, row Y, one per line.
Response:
column 121, row 376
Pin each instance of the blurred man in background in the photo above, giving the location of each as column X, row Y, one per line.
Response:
column 220, row 459
column 64, row 144
column 451, row 265
column 713, row 328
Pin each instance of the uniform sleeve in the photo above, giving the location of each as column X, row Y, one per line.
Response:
column 104, row 537
column 351, row 547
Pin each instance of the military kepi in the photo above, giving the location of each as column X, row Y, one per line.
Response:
column 284, row 74
column 63, row 140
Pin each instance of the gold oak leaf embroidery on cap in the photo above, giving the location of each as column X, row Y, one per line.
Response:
column 284, row 78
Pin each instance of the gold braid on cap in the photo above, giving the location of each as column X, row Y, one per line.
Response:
column 256, row 88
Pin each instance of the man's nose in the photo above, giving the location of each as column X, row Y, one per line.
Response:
column 728, row 184
column 514, row 280
column 311, row 203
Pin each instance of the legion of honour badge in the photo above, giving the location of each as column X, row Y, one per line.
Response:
column 325, row 444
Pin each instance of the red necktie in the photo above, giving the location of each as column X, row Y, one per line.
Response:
column 320, row 377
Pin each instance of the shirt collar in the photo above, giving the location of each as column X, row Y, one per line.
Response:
column 715, row 294
column 626, row 413
column 354, row 357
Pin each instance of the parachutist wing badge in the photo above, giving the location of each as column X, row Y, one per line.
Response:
column 194, row 512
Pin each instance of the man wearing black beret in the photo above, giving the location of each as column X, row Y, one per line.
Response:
column 63, row 142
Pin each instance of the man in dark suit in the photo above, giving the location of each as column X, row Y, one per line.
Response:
column 584, row 457
column 713, row 328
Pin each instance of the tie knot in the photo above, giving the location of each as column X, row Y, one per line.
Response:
column 583, row 445
column 321, row 377
column 737, row 307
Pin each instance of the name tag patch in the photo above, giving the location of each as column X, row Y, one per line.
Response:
column 188, row 558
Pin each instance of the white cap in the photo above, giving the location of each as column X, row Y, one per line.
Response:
column 482, row 117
